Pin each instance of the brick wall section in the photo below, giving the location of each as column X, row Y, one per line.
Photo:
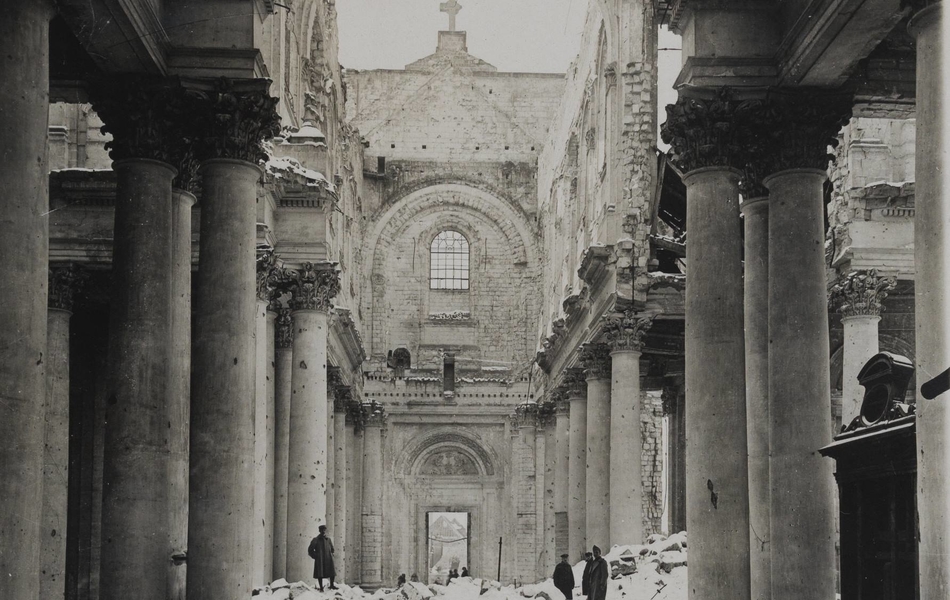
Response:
column 651, row 428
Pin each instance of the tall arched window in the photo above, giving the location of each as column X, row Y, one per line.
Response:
column 448, row 261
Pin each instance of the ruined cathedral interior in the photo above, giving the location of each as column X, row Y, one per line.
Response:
column 249, row 292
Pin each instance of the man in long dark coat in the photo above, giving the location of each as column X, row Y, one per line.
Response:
column 321, row 551
column 599, row 574
column 564, row 577
column 585, row 578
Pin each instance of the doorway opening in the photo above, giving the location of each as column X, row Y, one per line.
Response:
column 448, row 544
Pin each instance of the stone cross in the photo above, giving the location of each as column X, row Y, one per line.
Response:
column 452, row 7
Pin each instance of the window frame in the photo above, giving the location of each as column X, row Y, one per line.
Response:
column 450, row 269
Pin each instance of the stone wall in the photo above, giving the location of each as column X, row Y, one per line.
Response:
column 651, row 461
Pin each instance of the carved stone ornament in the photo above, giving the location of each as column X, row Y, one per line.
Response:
column 267, row 263
column 784, row 129
column 526, row 415
column 708, row 132
column 575, row 380
column 64, row 282
column 562, row 408
column 354, row 415
column 792, row 129
column 861, row 293
column 546, row 412
column 313, row 287
column 625, row 331
column 342, row 399
column 596, row 360
column 334, row 380
column 373, row 414
column 284, row 329
column 233, row 118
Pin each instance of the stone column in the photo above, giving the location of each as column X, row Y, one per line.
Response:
column 282, row 395
column 234, row 117
column 146, row 117
column 354, row 495
column 526, row 550
column 372, row 519
column 675, row 401
column 312, row 291
column 801, row 126
column 624, row 334
column 703, row 132
column 63, row 281
column 179, row 385
column 932, row 302
column 562, row 453
column 577, row 465
column 545, row 461
column 858, row 296
column 341, row 402
column 756, row 287
column 596, row 360
column 24, row 243
column 334, row 382
column 264, row 433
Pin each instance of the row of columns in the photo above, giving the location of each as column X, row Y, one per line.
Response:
column 596, row 467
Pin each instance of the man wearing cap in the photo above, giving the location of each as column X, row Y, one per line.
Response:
column 599, row 574
column 585, row 578
column 564, row 577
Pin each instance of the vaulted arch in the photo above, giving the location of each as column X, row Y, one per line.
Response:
column 439, row 451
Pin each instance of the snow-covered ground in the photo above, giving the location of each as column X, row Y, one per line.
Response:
column 652, row 571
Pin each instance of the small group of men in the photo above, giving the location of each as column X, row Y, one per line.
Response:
column 593, row 582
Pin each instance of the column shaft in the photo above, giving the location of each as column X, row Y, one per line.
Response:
column 179, row 390
column 340, row 482
column 331, row 464
column 626, row 445
column 527, row 550
column 264, row 447
column 372, row 526
column 220, row 509
column 598, row 462
column 354, row 508
column 756, row 213
column 802, row 486
column 55, row 457
column 24, row 244
column 932, row 304
column 577, row 478
column 717, row 487
column 678, row 460
column 562, row 453
column 135, row 500
column 307, row 478
column 860, row 344
column 282, row 396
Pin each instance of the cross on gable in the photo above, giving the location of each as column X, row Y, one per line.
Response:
column 452, row 8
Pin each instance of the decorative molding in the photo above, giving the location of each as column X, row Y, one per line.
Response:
column 64, row 282
column 596, row 360
column 861, row 293
column 349, row 336
column 313, row 287
column 284, row 330
column 594, row 262
column 625, row 331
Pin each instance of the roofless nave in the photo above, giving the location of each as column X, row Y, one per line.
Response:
column 275, row 294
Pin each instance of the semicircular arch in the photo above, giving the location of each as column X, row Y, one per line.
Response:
column 419, row 455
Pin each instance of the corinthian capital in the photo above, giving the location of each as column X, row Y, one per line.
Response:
column 708, row 132
column 861, row 293
column 313, row 287
column 625, row 331
column 234, row 118
column 267, row 264
column 596, row 360
column 526, row 415
column 575, row 383
column 284, row 329
column 792, row 129
column 373, row 414
column 342, row 399
column 64, row 281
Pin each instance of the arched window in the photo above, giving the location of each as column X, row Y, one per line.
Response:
column 448, row 266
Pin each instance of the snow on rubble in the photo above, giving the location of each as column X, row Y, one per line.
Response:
column 652, row 571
